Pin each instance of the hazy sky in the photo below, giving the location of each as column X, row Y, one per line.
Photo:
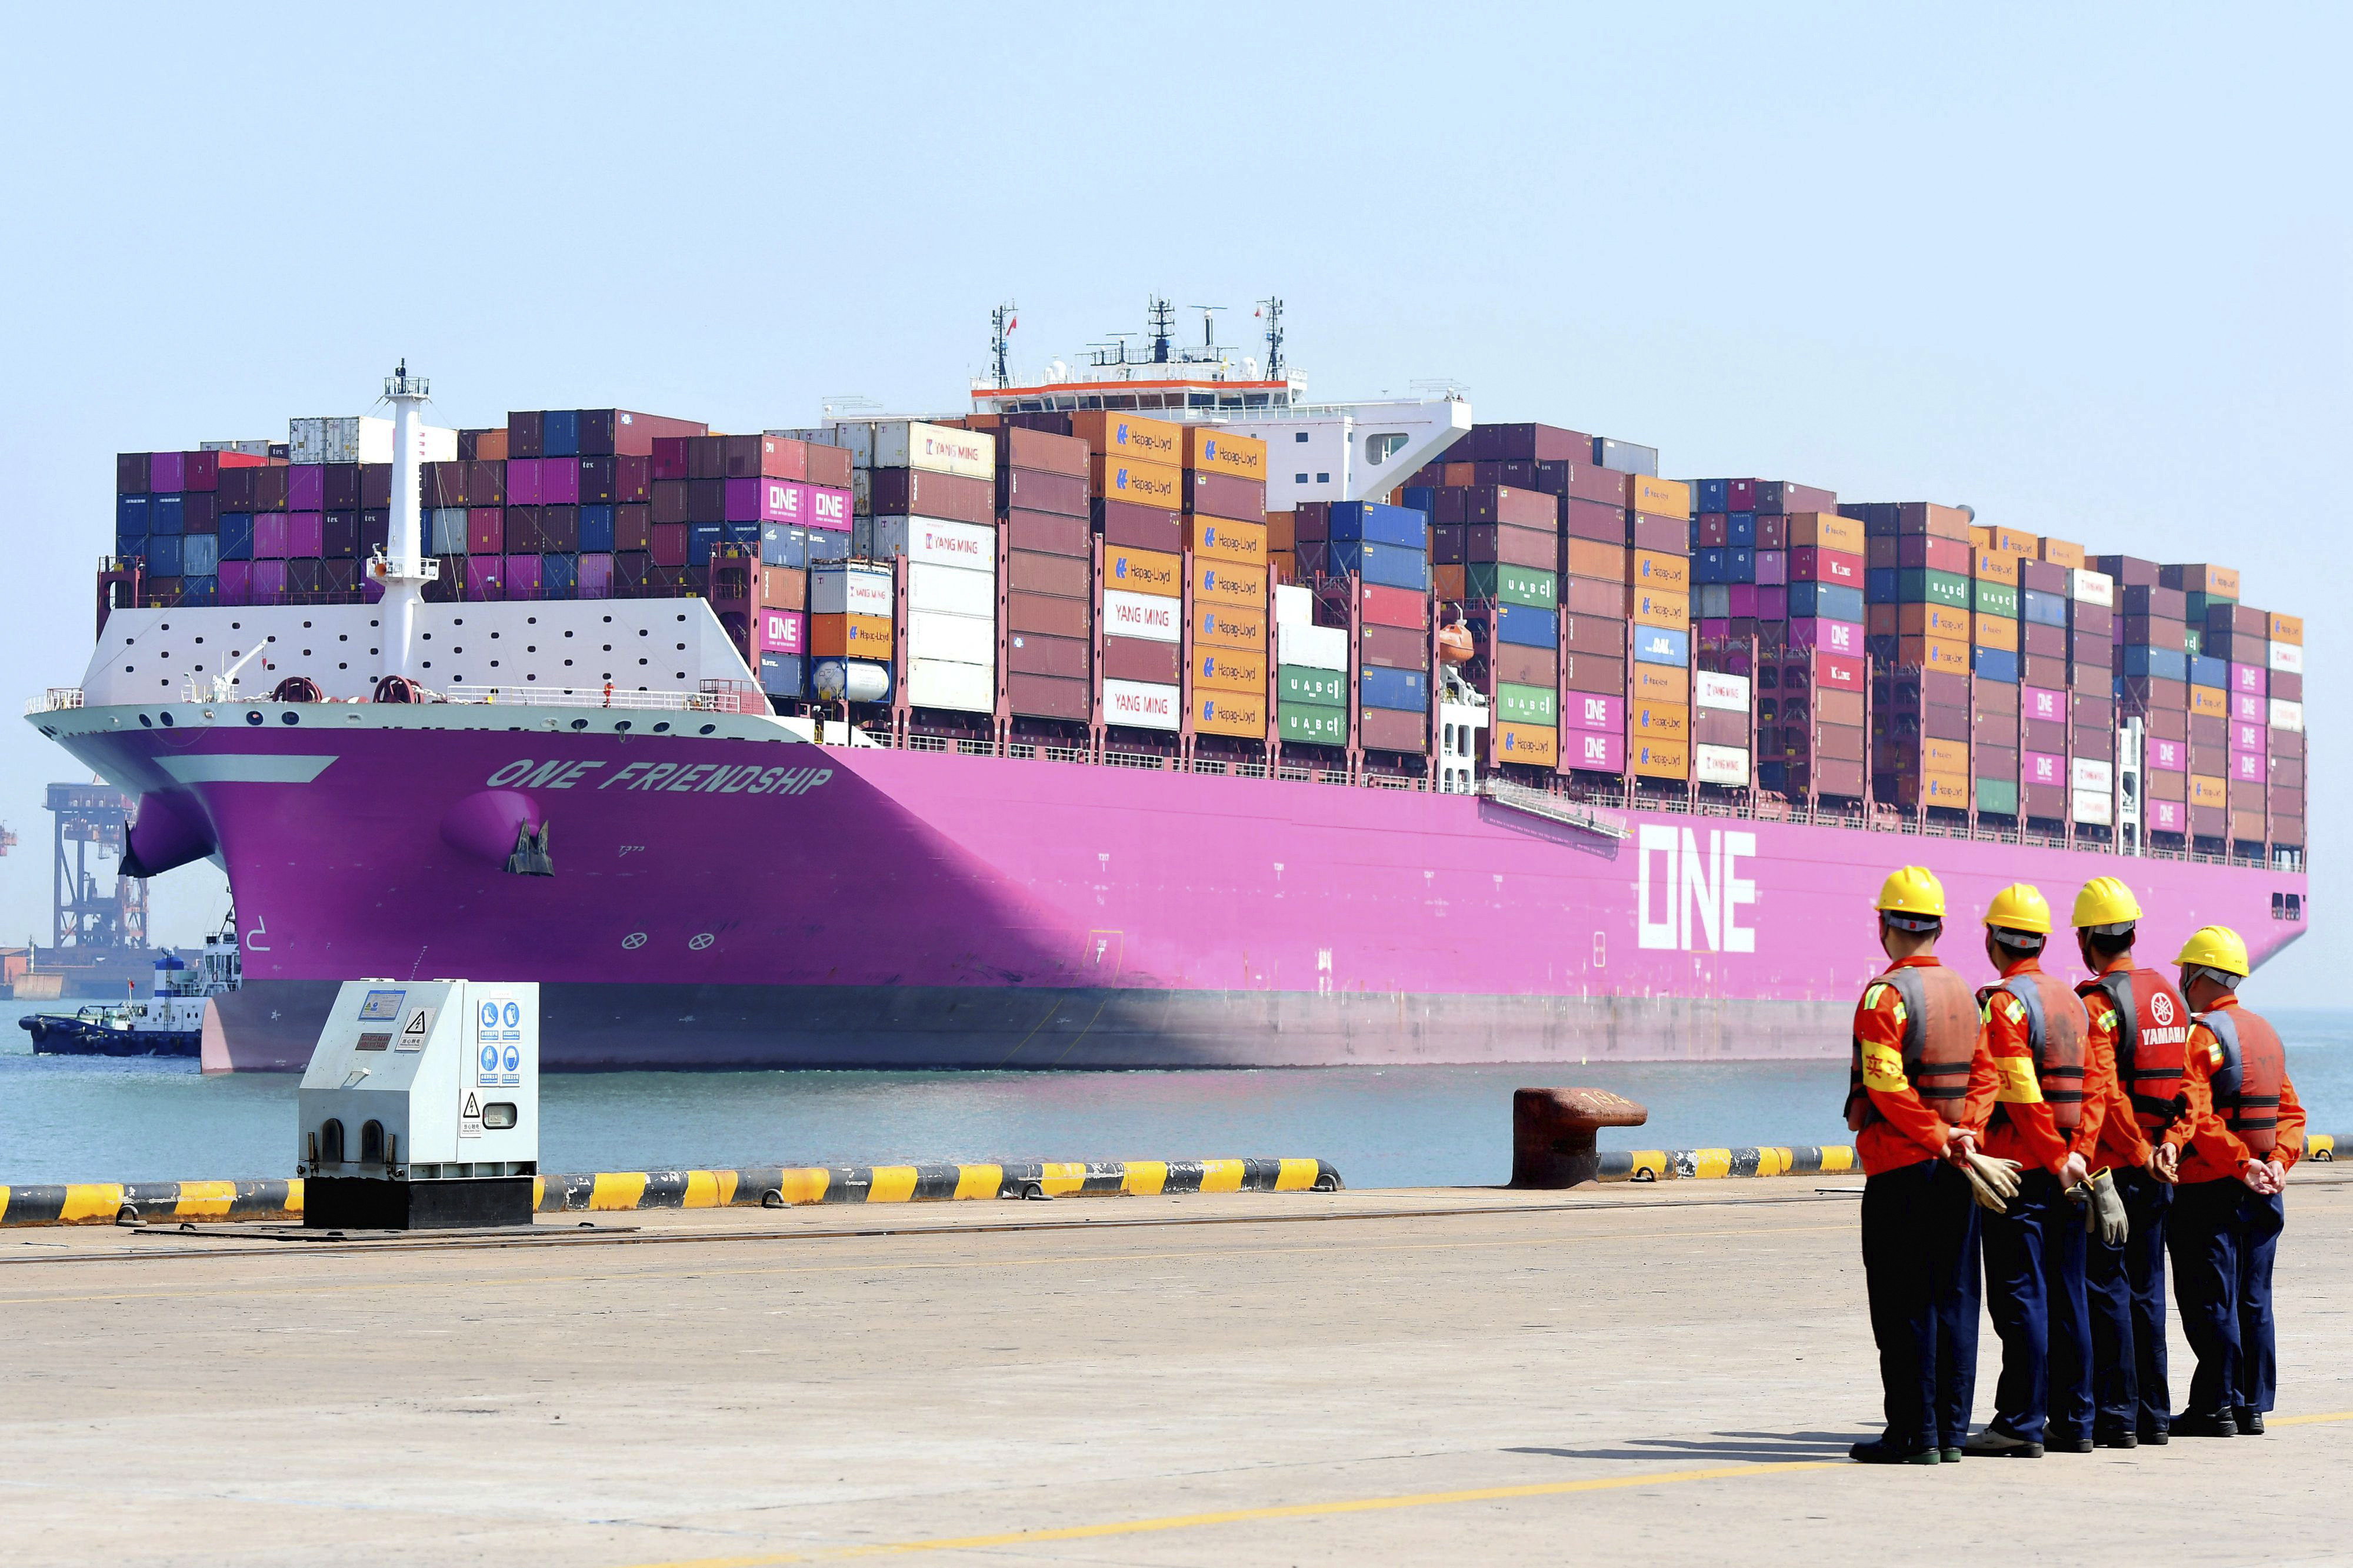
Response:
column 2082, row 268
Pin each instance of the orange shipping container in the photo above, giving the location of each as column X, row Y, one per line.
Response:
column 2215, row 582
column 850, row 636
column 490, row 445
column 1948, row 758
column 1825, row 530
column 1223, row 625
column 1230, row 669
column 1662, row 498
column 1282, row 531
column 1659, row 607
column 1951, row 792
column 2059, row 552
column 1995, row 632
column 2207, row 791
column 1448, row 583
column 1525, row 744
column 1949, row 655
column 1223, row 582
column 1996, row 566
column 1229, row 713
column 1146, row 484
column 1879, row 620
column 1124, row 435
column 1650, row 569
column 1222, row 539
column 1461, row 474
column 2287, row 629
column 1660, row 683
column 1131, row 571
column 1660, row 722
column 1283, row 565
column 1659, row 759
column 1980, row 537
column 1216, row 451
column 1929, row 620
column 2010, row 541
column 2209, row 702
column 1591, row 558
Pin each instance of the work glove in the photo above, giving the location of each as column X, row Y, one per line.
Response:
column 2106, row 1217
column 1999, row 1176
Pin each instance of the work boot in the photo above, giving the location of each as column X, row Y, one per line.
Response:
column 2116, row 1437
column 2250, row 1421
column 1993, row 1442
column 1951, row 1455
column 2154, row 1436
column 1880, row 1451
column 2205, row 1424
column 2070, row 1445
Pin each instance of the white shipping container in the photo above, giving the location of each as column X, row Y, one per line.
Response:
column 1710, row 689
column 844, row 590
column 2089, row 774
column 967, row 688
column 913, row 444
column 1144, row 705
column 1149, row 616
column 958, row 590
column 957, row 639
column 1720, row 764
column 445, row 533
column 931, row 542
column 1310, row 647
column 2287, row 715
column 2088, row 587
column 2095, row 807
column 1293, row 605
column 2287, row 658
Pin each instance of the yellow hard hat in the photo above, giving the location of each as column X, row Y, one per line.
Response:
column 2019, row 907
column 2105, row 902
column 2215, row 947
column 1913, row 890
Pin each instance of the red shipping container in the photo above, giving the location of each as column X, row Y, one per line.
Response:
column 1772, row 532
column 1533, row 548
column 1041, row 451
column 1659, row 535
column 918, row 492
column 1519, row 508
column 1520, row 666
column 1396, row 647
column 1244, row 500
column 1376, row 605
column 706, row 500
column 1588, row 481
column 1590, row 596
column 1052, row 616
column 1715, row 531
column 1125, row 524
column 1047, row 533
column 1134, row 659
column 1066, row 576
column 1025, row 489
column 667, row 461
column 1045, row 697
column 1391, row 730
column 632, row 528
column 1810, row 564
column 1064, row 658
column 1586, row 672
column 667, row 544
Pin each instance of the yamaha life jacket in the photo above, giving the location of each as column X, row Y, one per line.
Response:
column 2152, row 1042
column 2060, row 1032
column 1940, row 1037
column 2247, row 1085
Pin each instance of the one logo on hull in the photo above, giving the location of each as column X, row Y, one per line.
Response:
column 1688, row 897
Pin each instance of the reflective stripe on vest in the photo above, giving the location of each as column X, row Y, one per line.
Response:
column 2152, row 1041
column 2247, row 1085
column 1940, row 1039
column 2059, row 1031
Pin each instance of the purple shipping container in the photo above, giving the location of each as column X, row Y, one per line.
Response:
column 1593, row 711
column 522, row 576
column 2246, row 706
column 305, row 535
column 2247, row 737
column 597, row 575
column 829, row 509
column 486, row 530
column 485, row 578
column 1714, row 631
column 2042, row 705
column 269, row 583
column 559, row 481
column 1773, row 604
column 2250, row 678
column 2042, row 768
column 166, row 472
column 523, row 480
column 1830, row 637
column 237, row 582
column 2166, row 756
column 306, row 487
column 2166, row 816
column 1741, row 599
column 269, row 537
column 2249, row 767
column 781, row 631
column 1772, row 567
column 1600, row 751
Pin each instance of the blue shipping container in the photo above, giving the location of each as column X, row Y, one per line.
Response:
column 1386, row 565
column 700, row 538
column 2160, row 663
column 236, row 536
column 1659, row 645
column 1740, row 528
column 826, row 544
column 596, row 529
column 1419, row 497
column 1827, row 601
column 783, row 674
column 1405, row 691
column 1375, row 523
column 2042, row 609
column 1526, row 625
column 559, row 433
column 783, row 544
column 1708, row 565
column 1995, row 663
column 130, row 517
column 1713, row 494
column 165, row 514
column 1879, row 584
column 1740, row 565
column 199, row 555
column 2205, row 671
column 162, row 555
column 199, row 590
column 559, row 576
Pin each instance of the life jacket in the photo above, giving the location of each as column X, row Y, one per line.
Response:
column 2060, row 1032
column 1940, row 1038
column 2152, row 1042
column 2247, row 1085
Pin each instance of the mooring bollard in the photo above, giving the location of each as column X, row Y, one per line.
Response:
column 1552, row 1133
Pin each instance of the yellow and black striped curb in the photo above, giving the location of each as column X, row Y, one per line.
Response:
column 774, row 1186
column 1687, row 1164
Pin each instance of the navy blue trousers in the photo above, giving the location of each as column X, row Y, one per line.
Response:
column 2126, row 1291
column 1920, row 1261
column 2035, row 1294
column 2224, row 1239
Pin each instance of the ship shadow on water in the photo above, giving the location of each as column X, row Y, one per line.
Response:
column 1584, row 842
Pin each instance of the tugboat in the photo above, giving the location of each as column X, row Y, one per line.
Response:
column 169, row 1023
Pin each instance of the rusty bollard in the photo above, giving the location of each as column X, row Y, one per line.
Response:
column 1552, row 1133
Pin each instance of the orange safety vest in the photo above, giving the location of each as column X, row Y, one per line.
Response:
column 2247, row 1085
column 2152, row 1042
column 1940, row 1039
column 2060, row 1032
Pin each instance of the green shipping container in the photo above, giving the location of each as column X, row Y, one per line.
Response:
column 1511, row 585
column 1537, row 705
column 2201, row 602
column 1311, row 688
column 1313, row 725
column 2196, row 635
column 1996, row 599
column 1999, row 796
column 1926, row 585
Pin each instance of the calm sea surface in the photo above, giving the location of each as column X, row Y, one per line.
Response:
column 67, row 1119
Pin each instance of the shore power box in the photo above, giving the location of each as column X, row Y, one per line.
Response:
column 420, row 1107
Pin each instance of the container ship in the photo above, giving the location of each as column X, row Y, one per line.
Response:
column 1143, row 715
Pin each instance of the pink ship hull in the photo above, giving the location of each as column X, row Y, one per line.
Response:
column 798, row 906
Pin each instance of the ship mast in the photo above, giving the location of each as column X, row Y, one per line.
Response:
column 402, row 565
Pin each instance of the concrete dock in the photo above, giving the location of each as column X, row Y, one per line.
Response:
column 1362, row 1376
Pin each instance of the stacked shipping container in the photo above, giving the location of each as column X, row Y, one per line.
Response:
column 1049, row 586
column 1227, row 584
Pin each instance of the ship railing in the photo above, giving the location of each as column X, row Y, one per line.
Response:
column 707, row 701
column 54, row 699
column 1558, row 808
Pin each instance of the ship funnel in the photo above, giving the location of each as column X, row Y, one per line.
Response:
column 401, row 568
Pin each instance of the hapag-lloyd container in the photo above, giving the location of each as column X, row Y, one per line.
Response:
column 1224, row 626
column 1148, row 615
column 1140, row 705
column 779, row 631
column 1229, row 669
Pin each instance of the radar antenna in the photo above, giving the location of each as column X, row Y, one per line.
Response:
column 1161, row 316
column 1209, row 350
column 1001, row 323
column 1270, row 308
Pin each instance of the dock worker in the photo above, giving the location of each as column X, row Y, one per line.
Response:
column 2033, row 1095
column 2243, row 1132
column 2141, row 1024
column 1915, row 1038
